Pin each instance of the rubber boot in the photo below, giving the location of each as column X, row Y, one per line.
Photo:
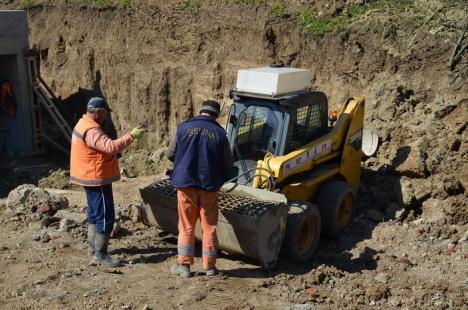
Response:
column 100, row 255
column 211, row 272
column 91, row 237
column 181, row 270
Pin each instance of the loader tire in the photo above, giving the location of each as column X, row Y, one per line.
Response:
column 336, row 201
column 302, row 231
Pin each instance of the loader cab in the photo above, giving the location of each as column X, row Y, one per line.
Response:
column 261, row 125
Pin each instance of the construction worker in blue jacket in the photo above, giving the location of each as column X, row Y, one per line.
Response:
column 202, row 163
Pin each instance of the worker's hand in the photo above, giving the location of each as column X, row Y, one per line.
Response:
column 137, row 132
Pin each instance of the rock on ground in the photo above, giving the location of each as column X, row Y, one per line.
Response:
column 76, row 217
column 28, row 198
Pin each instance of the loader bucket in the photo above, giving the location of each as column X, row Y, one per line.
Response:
column 251, row 222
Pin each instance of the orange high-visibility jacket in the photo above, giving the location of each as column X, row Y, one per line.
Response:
column 90, row 167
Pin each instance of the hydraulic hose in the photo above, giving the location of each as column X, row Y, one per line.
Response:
column 268, row 178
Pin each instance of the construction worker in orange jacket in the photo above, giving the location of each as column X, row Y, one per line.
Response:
column 94, row 165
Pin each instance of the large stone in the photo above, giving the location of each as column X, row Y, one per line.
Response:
column 432, row 210
column 28, row 198
column 414, row 165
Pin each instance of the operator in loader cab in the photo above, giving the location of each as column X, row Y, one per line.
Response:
column 93, row 164
column 202, row 163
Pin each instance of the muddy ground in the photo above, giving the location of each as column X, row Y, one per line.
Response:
column 375, row 264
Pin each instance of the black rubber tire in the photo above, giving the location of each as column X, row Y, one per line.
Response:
column 330, row 200
column 271, row 265
column 302, row 216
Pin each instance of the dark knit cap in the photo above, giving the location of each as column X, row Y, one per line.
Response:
column 210, row 106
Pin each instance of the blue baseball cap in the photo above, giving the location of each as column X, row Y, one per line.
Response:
column 97, row 103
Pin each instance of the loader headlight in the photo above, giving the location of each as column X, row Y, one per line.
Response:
column 333, row 116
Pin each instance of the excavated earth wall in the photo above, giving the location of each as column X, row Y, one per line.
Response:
column 156, row 64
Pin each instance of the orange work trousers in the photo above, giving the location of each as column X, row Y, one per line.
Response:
column 194, row 203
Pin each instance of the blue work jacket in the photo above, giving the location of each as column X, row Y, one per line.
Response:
column 198, row 160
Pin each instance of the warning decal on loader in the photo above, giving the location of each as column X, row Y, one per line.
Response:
column 306, row 157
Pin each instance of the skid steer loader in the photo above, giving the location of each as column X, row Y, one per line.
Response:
column 297, row 169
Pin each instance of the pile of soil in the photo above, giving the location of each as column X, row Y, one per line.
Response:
column 422, row 156
column 59, row 179
column 145, row 162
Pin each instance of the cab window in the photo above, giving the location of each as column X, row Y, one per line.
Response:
column 309, row 125
column 256, row 132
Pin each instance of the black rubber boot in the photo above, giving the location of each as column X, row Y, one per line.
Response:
column 211, row 272
column 181, row 270
column 100, row 255
column 91, row 237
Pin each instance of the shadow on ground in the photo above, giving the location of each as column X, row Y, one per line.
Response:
column 149, row 255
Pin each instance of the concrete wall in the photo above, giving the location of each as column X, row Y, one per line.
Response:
column 13, row 47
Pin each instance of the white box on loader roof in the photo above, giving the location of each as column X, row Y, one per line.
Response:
column 272, row 81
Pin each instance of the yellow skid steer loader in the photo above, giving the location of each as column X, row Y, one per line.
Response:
column 297, row 169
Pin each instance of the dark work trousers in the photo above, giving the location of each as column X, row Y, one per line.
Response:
column 101, row 207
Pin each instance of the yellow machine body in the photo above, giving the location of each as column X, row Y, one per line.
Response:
column 317, row 160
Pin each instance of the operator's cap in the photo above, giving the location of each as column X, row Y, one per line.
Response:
column 210, row 106
column 97, row 103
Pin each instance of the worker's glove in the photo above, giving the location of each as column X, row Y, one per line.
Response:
column 137, row 132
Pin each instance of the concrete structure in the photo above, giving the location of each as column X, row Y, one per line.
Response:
column 16, row 130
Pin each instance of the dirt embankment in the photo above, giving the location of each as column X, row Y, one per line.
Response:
column 156, row 63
